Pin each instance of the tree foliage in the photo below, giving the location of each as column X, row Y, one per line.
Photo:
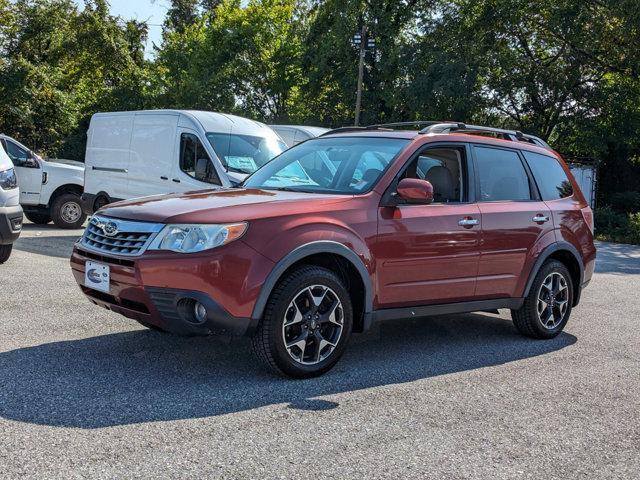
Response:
column 566, row 70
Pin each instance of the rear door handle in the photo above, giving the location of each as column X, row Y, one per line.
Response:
column 164, row 178
column 468, row 222
column 540, row 219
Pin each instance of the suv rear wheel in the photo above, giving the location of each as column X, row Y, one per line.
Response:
column 547, row 308
column 306, row 325
column 66, row 211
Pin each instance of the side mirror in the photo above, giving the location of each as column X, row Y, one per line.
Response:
column 30, row 161
column 413, row 190
column 201, row 169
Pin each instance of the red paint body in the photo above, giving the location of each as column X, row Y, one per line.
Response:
column 414, row 254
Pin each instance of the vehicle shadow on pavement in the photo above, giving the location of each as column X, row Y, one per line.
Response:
column 144, row 376
column 51, row 246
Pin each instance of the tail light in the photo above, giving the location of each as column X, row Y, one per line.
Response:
column 587, row 214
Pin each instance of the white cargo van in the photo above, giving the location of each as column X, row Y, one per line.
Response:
column 135, row 154
column 10, row 209
column 49, row 189
column 294, row 134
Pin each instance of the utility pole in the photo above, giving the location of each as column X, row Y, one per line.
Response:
column 363, row 50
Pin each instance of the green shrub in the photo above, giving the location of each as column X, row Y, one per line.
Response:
column 634, row 228
column 626, row 202
column 614, row 226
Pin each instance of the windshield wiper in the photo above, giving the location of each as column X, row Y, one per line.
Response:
column 290, row 189
column 238, row 170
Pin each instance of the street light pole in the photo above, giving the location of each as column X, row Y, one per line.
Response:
column 363, row 36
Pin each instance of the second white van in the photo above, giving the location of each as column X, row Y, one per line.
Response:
column 136, row 154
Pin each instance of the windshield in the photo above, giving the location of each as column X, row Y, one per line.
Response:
column 348, row 165
column 244, row 153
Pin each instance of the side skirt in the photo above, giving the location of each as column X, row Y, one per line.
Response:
column 446, row 309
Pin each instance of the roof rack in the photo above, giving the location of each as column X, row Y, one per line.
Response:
column 512, row 135
column 440, row 127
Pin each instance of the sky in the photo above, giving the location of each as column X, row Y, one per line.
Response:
column 151, row 11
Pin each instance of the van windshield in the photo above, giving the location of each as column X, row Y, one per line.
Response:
column 341, row 165
column 244, row 153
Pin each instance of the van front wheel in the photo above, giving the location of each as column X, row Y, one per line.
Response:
column 66, row 211
column 38, row 218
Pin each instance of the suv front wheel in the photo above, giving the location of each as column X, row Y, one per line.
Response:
column 306, row 325
column 547, row 308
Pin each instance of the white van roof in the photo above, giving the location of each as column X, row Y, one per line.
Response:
column 210, row 121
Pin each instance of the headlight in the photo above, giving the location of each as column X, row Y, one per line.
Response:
column 8, row 180
column 196, row 237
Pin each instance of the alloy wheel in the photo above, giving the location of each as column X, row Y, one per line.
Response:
column 553, row 300
column 313, row 324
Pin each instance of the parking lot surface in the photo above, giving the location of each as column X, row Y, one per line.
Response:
column 87, row 393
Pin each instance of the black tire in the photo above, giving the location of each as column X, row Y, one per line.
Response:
column 528, row 321
column 38, row 218
column 5, row 252
column 269, row 341
column 60, row 219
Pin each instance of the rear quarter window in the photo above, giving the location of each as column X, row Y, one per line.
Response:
column 549, row 175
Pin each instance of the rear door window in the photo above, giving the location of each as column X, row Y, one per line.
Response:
column 502, row 175
column 550, row 177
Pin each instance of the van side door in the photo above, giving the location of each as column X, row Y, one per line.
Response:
column 152, row 147
column 516, row 223
column 194, row 169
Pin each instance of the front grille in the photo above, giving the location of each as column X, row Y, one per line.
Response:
column 120, row 237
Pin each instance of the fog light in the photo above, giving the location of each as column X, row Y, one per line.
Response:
column 199, row 312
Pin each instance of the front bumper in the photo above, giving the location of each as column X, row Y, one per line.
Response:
column 10, row 224
column 165, row 307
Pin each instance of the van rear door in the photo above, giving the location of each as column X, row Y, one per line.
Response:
column 152, row 148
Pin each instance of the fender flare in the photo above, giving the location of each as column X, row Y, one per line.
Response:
column 312, row 248
column 545, row 254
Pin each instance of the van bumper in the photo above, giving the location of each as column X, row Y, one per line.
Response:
column 10, row 224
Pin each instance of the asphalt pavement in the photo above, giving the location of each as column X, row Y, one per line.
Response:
column 86, row 393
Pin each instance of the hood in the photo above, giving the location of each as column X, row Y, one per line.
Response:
column 221, row 206
column 60, row 163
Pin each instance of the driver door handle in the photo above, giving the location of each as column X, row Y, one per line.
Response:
column 540, row 218
column 468, row 222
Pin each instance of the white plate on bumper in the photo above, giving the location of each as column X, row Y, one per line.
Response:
column 96, row 276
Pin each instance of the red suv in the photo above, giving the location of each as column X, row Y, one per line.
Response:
column 357, row 226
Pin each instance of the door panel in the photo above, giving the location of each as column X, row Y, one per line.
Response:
column 509, row 233
column 29, row 178
column 183, row 172
column 424, row 256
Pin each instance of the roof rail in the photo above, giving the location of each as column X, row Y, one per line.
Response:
column 387, row 127
column 355, row 129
